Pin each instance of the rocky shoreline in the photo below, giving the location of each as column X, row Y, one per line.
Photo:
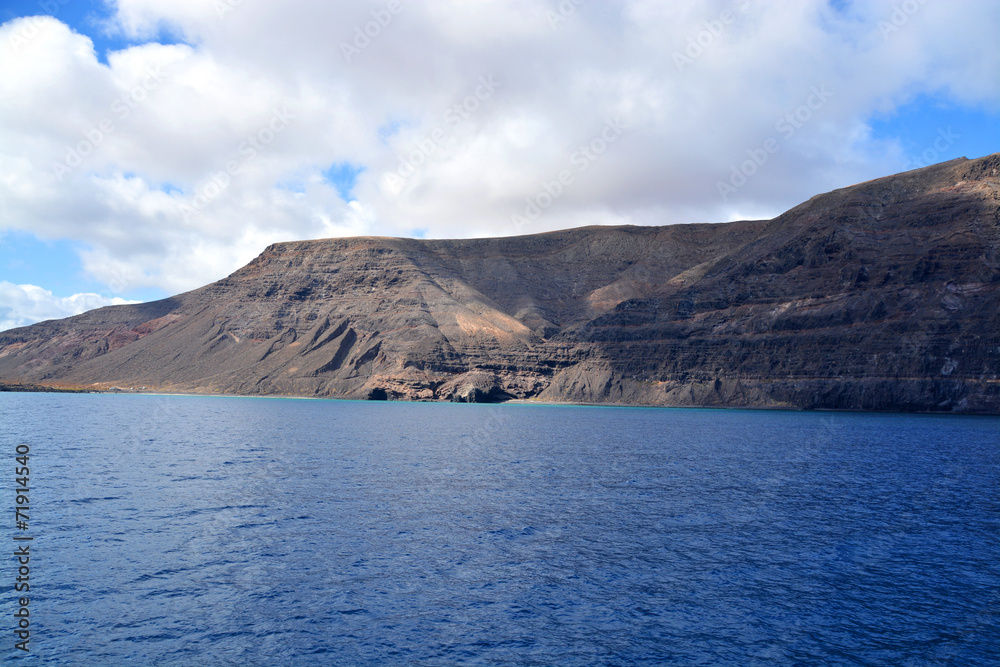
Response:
column 880, row 296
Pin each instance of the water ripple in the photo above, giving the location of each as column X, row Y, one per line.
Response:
column 240, row 531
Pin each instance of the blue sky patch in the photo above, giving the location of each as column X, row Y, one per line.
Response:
column 344, row 176
column 55, row 266
column 170, row 188
column 931, row 131
column 388, row 130
column 86, row 18
column 296, row 185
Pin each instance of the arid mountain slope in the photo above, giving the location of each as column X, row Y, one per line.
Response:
column 883, row 295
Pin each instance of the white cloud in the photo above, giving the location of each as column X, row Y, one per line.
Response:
column 21, row 305
column 185, row 177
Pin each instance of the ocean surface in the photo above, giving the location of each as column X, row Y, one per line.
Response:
column 182, row 530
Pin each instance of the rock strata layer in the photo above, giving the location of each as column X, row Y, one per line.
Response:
column 880, row 296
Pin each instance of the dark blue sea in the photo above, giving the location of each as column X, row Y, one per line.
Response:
column 179, row 530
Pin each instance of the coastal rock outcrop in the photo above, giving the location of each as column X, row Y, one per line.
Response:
column 880, row 296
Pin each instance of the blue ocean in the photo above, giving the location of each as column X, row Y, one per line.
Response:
column 190, row 530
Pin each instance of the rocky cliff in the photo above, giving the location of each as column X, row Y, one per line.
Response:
column 880, row 296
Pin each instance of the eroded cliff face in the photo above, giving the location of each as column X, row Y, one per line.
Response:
column 880, row 296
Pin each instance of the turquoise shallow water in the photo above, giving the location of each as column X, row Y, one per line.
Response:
column 229, row 531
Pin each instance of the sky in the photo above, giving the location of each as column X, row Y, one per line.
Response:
column 148, row 147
